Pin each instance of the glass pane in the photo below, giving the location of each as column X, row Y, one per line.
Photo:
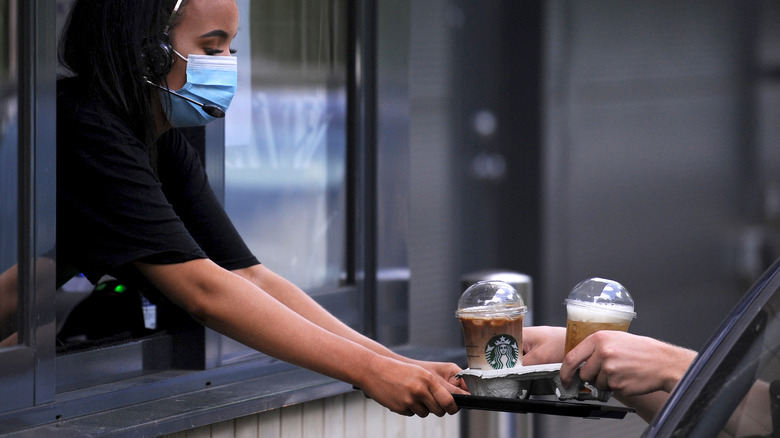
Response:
column 9, row 182
column 286, row 138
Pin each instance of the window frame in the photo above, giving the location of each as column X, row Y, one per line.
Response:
column 28, row 368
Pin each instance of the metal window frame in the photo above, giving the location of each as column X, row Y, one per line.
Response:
column 27, row 370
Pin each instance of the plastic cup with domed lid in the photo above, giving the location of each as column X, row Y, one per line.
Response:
column 491, row 313
column 596, row 304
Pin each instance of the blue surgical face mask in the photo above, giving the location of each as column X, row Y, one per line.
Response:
column 210, row 80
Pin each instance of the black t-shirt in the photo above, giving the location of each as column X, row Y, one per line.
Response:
column 114, row 208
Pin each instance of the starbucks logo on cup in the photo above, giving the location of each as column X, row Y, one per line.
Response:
column 502, row 351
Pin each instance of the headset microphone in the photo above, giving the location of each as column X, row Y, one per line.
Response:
column 212, row 110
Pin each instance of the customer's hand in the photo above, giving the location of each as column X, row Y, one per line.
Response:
column 543, row 344
column 627, row 364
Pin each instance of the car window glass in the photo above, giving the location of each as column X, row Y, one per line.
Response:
column 740, row 398
column 9, row 180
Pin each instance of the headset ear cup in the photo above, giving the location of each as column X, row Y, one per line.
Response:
column 157, row 58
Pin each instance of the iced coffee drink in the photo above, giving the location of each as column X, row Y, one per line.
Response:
column 596, row 304
column 491, row 314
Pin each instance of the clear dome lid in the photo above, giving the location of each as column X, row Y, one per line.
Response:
column 486, row 298
column 602, row 293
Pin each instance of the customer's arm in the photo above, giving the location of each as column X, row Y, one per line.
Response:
column 9, row 293
column 641, row 371
column 9, row 303
column 753, row 416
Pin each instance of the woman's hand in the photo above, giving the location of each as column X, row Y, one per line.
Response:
column 627, row 364
column 543, row 344
column 447, row 374
column 409, row 389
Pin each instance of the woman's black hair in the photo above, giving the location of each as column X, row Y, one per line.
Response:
column 102, row 43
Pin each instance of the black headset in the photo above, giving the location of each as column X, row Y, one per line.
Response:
column 157, row 53
column 157, row 56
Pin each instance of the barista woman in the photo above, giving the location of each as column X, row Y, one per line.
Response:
column 134, row 202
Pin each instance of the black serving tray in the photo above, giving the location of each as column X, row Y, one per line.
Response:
column 550, row 407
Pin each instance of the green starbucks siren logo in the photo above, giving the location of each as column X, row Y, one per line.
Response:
column 502, row 352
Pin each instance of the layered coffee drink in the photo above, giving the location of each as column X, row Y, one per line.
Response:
column 493, row 341
column 596, row 304
column 582, row 322
column 492, row 313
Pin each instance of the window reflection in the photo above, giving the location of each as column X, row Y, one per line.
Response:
column 9, row 159
column 286, row 137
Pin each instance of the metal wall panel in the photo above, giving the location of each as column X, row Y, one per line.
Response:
column 347, row 416
column 433, row 217
column 650, row 165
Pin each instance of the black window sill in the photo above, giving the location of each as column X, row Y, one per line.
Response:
column 280, row 385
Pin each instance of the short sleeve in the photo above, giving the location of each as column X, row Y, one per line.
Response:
column 111, row 207
column 186, row 186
